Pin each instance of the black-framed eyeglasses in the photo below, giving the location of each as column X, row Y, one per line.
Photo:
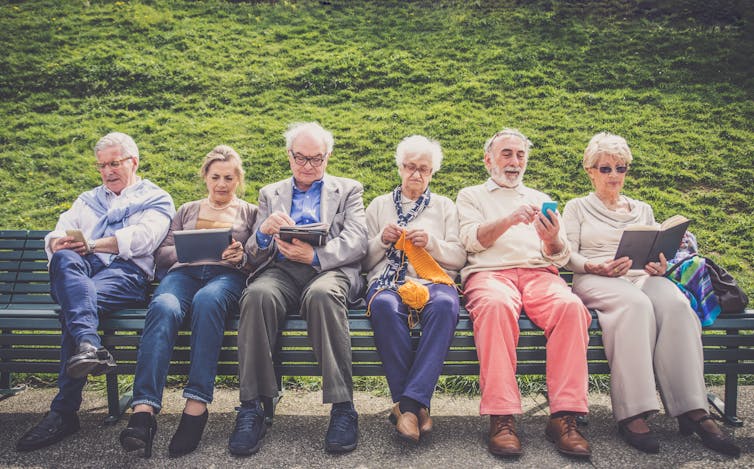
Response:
column 113, row 164
column 411, row 168
column 609, row 169
column 315, row 161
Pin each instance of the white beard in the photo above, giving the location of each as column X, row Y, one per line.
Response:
column 503, row 179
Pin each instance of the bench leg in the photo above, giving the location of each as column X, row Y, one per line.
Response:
column 5, row 386
column 728, row 408
column 116, row 405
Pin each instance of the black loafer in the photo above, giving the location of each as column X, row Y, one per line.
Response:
column 717, row 442
column 646, row 442
column 54, row 427
column 89, row 360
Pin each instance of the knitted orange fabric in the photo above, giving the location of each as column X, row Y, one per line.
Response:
column 424, row 265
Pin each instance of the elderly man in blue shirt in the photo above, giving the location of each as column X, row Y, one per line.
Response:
column 108, row 268
column 319, row 281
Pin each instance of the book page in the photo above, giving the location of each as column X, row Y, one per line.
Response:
column 641, row 228
column 675, row 220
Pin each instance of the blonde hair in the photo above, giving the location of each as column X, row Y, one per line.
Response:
column 224, row 153
column 605, row 143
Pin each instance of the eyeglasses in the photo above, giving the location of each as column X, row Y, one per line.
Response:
column 301, row 160
column 609, row 169
column 113, row 164
column 411, row 168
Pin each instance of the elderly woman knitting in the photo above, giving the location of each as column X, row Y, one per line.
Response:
column 649, row 330
column 412, row 259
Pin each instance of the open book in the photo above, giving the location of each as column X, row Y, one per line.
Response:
column 643, row 243
column 313, row 233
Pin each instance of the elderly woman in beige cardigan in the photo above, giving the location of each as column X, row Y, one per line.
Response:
column 648, row 327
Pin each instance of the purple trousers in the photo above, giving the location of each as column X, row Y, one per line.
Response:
column 410, row 373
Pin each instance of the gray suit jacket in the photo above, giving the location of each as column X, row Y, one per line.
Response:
column 341, row 207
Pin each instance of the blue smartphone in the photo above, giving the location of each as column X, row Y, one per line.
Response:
column 549, row 206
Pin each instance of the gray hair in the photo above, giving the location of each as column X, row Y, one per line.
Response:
column 605, row 143
column 118, row 139
column 509, row 133
column 224, row 153
column 311, row 128
column 418, row 144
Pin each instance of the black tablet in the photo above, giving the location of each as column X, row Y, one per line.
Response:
column 201, row 245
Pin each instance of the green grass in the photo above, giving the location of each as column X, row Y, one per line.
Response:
column 676, row 78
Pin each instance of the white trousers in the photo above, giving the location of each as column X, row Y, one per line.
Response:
column 651, row 336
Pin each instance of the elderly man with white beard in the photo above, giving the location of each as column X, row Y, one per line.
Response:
column 514, row 251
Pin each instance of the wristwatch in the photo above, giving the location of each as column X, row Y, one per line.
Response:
column 242, row 264
column 91, row 244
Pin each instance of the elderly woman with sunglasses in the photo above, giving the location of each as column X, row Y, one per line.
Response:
column 649, row 331
column 409, row 219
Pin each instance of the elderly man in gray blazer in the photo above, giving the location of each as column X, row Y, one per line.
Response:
column 319, row 281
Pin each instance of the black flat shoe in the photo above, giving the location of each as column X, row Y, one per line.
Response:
column 188, row 434
column 717, row 442
column 139, row 433
column 52, row 428
column 646, row 442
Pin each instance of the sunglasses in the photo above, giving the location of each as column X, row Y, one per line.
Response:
column 609, row 169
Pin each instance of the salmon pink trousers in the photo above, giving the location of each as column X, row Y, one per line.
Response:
column 494, row 300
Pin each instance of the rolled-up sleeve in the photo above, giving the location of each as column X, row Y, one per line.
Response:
column 143, row 237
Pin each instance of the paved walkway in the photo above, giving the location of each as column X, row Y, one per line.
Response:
column 296, row 437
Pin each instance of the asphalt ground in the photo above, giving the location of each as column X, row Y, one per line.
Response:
column 296, row 438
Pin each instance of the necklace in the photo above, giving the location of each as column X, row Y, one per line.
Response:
column 220, row 207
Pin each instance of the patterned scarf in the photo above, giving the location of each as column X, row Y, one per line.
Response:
column 395, row 270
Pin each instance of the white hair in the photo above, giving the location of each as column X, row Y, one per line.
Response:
column 313, row 129
column 605, row 143
column 508, row 133
column 118, row 139
column 419, row 145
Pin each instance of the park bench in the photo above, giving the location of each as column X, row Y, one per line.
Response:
column 30, row 337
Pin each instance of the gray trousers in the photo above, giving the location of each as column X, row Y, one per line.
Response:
column 323, row 301
column 649, row 332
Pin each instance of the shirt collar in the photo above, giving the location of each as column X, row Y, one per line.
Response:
column 316, row 185
column 125, row 190
column 491, row 185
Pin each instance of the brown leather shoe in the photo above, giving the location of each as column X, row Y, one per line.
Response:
column 407, row 425
column 563, row 431
column 503, row 439
column 425, row 421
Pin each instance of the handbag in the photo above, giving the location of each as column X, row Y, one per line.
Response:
column 730, row 297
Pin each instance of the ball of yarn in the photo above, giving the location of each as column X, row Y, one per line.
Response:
column 414, row 295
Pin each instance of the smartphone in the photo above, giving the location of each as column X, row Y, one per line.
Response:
column 549, row 206
column 77, row 236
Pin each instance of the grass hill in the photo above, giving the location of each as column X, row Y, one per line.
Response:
column 676, row 78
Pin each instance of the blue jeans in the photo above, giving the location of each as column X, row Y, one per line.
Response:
column 85, row 287
column 413, row 374
column 207, row 294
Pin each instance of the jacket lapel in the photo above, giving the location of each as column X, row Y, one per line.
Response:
column 330, row 200
column 284, row 197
